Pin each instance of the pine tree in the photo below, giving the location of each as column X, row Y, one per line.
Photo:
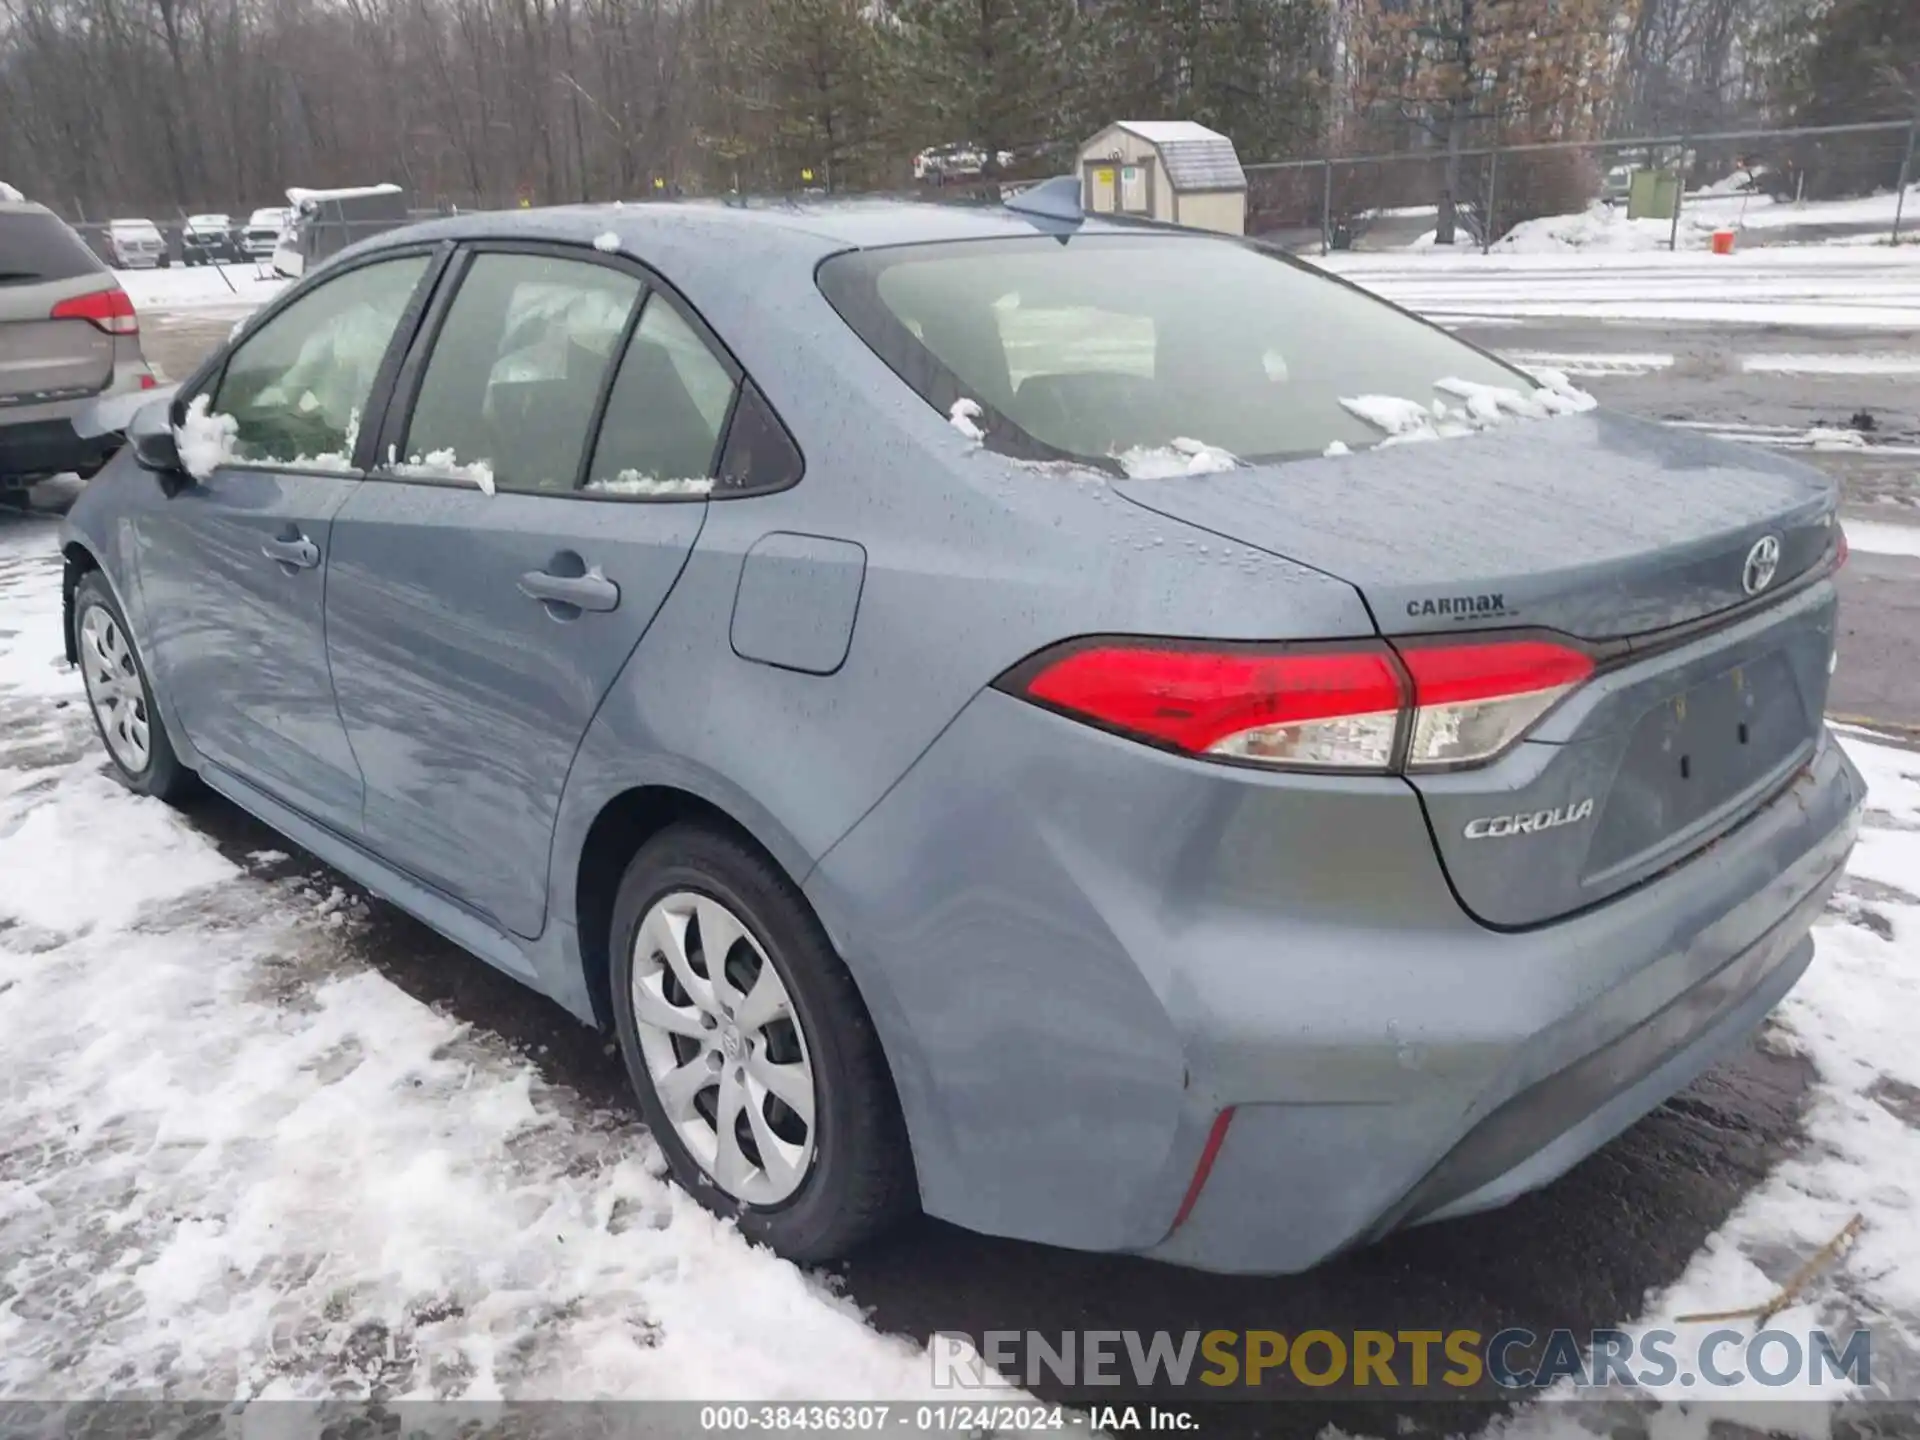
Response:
column 989, row 73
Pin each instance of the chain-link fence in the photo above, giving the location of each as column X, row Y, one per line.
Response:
column 235, row 244
column 1836, row 183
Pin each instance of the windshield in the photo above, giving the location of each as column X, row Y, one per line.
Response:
column 1106, row 347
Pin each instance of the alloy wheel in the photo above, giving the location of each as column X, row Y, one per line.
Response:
column 724, row 1048
column 114, row 689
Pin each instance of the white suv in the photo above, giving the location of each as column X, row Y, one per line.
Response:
column 135, row 244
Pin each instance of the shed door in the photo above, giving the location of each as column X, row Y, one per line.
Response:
column 1103, row 189
column 1133, row 189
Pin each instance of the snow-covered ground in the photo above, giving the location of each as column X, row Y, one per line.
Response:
column 200, row 288
column 1876, row 537
column 1856, row 288
column 1606, row 229
column 236, row 1162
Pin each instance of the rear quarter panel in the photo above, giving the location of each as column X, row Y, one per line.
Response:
column 972, row 563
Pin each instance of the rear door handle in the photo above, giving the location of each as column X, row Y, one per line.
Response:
column 299, row 552
column 584, row 592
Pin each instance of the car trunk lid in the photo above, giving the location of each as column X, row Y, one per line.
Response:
column 1656, row 548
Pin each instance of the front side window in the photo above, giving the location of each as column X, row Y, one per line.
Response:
column 508, row 395
column 295, row 388
column 1145, row 353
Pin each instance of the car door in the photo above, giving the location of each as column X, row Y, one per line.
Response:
column 233, row 565
column 489, row 583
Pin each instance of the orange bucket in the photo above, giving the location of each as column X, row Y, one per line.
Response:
column 1723, row 242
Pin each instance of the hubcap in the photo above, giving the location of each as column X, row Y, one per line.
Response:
column 724, row 1048
column 114, row 690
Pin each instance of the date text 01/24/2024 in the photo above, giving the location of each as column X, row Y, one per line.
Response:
column 944, row 1417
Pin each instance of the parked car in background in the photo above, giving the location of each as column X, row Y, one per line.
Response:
column 1282, row 837
column 325, row 222
column 208, row 240
column 1616, row 187
column 135, row 245
column 263, row 231
column 68, row 337
column 943, row 163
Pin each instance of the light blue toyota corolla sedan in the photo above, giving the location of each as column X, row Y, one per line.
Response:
column 989, row 708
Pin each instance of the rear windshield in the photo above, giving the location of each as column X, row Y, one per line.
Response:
column 1109, row 348
column 36, row 247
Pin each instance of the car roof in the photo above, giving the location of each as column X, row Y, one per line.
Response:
column 816, row 227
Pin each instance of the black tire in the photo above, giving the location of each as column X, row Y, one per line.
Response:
column 861, row 1177
column 163, row 777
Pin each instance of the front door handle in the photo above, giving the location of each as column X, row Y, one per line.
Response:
column 591, row 591
column 299, row 552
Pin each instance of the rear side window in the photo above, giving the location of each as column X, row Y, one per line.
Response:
column 669, row 403
column 1147, row 353
column 37, row 246
column 508, row 396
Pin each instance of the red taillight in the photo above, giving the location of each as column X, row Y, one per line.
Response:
column 147, row 382
column 1353, row 708
column 1841, row 558
column 108, row 310
column 1321, row 708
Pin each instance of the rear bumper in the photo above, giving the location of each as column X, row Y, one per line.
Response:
column 36, row 449
column 1079, row 953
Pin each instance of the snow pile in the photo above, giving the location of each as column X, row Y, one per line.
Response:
column 633, row 482
column 1182, row 457
column 606, row 242
column 1336, row 449
column 965, row 417
column 1829, row 437
column 1482, row 407
column 446, row 465
column 1604, row 228
column 205, row 440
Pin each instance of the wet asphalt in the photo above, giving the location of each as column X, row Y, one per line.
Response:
column 1582, row 1254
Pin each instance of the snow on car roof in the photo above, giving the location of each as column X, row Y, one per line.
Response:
column 298, row 196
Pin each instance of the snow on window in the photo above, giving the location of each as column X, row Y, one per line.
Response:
column 1182, row 457
column 206, row 439
column 606, row 242
column 446, row 465
column 1481, row 407
column 341, row 459
column 965, row 417
column 633, row 482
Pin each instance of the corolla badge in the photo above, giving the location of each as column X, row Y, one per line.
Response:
column 1498, row 827
column 1763, row 561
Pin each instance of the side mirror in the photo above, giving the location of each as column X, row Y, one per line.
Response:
column 154, row 446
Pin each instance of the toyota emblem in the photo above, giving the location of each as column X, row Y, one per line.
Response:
column 1762, row 561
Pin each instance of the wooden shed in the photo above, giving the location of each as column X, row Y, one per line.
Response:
column 1173, row 170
